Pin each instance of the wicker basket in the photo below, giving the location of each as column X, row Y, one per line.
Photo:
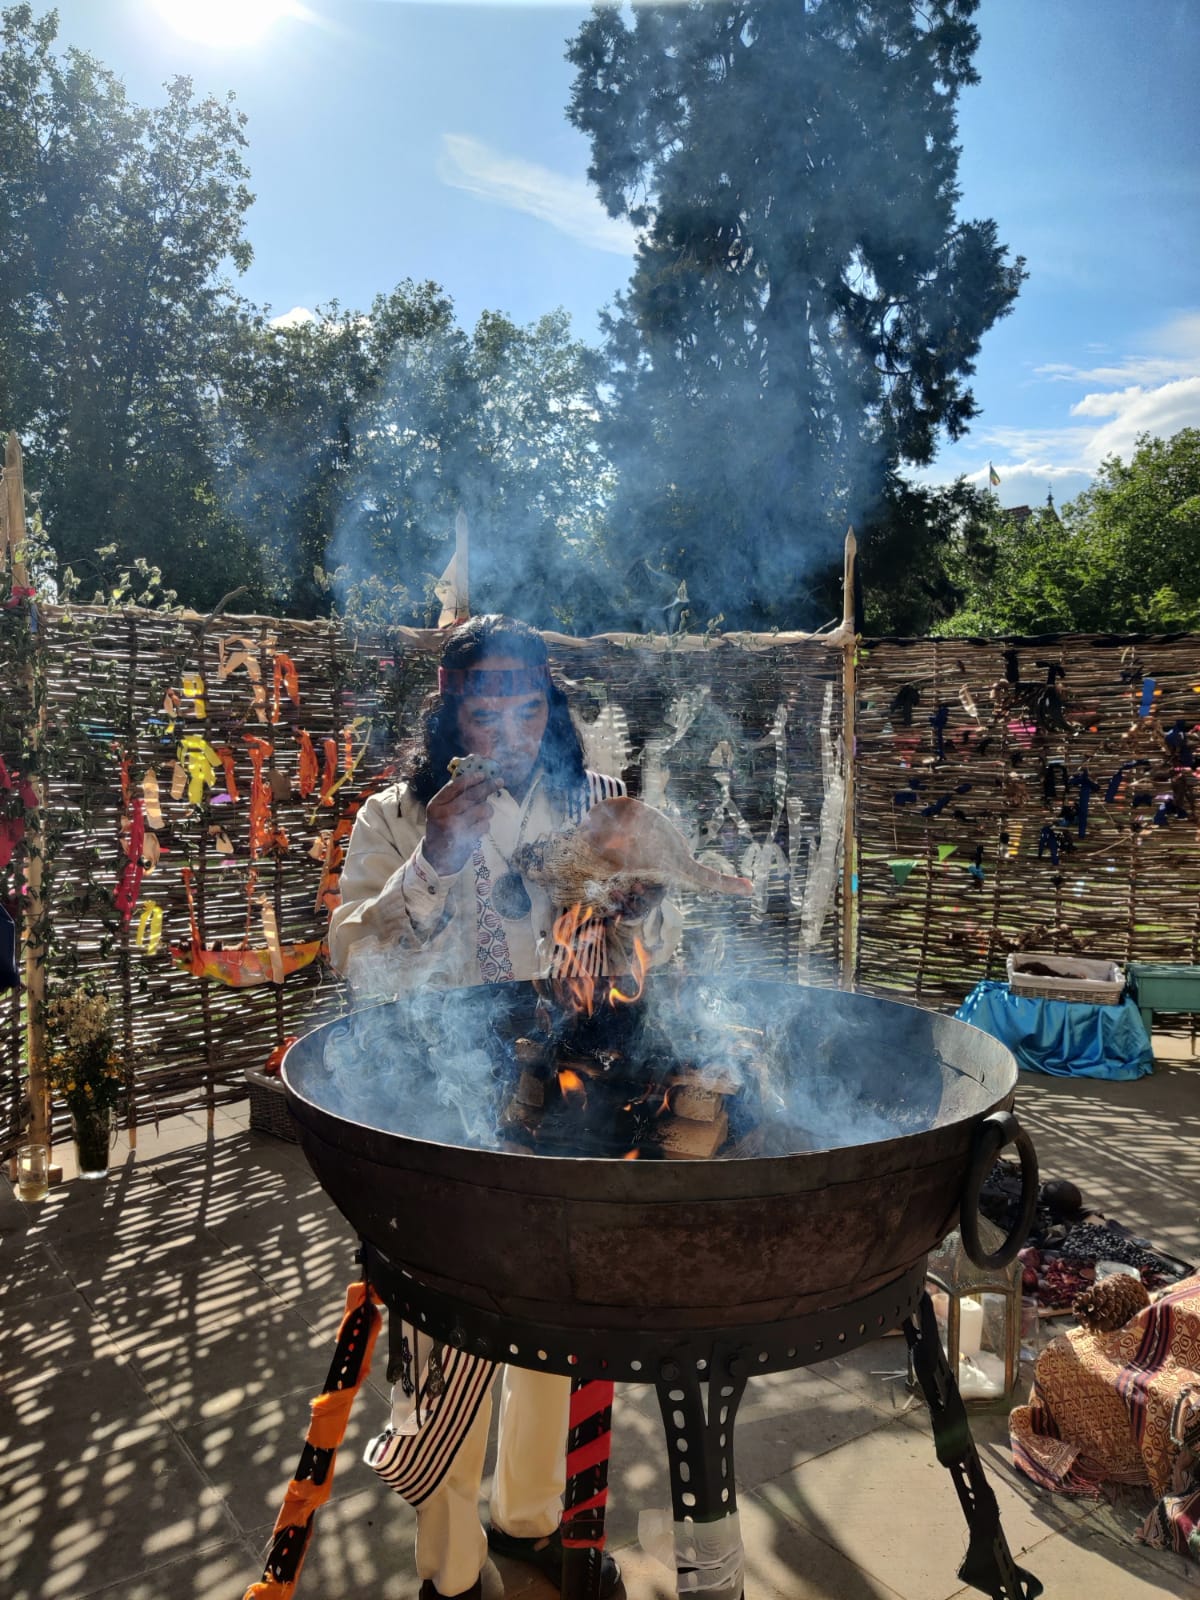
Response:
column 1097, row 983
column 269, row 1110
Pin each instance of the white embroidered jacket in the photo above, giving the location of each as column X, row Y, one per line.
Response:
column 400, row 926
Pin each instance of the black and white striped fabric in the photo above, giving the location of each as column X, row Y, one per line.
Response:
column 414, row 1458
column 587, row 954
column 601, row 787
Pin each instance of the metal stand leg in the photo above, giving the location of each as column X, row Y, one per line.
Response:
column 588, row 1444
column 700, row 1457
column 988, row 1566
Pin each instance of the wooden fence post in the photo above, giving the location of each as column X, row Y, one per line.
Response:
column 462, row 567
column 35, row 840
column 849, row 929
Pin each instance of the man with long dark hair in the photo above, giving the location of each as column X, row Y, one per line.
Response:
column 430, row 896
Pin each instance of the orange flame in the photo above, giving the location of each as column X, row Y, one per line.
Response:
column 631, row 1155
column 616, row 995
column 579, row 937
column 571, row 1084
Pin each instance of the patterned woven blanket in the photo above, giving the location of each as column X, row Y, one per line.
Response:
column 1174, row 1524
column 1106, row 1407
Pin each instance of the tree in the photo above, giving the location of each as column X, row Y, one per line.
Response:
column 352, row 440
column 1122, row 557
column 300, row 420
column 1022, row 576
column 115, row 222
column 913, row 567
column 806, row 306
column 1138, row 528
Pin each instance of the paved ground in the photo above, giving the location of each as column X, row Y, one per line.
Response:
column 160, row 1336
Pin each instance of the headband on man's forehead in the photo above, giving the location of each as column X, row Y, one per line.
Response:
column 494, row 684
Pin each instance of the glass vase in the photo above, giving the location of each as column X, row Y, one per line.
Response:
column 33, row 1172
column 93, row 1134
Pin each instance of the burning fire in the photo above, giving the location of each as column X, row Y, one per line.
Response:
column 571, row 1084
column 579, row 948
column 616, row 995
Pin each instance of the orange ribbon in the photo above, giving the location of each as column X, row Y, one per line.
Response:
column 310, row 769
column 286, row 680
column 326, row 1430
column 329, row 780
column 226, row 755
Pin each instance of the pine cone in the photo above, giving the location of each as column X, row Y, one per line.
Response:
column 1108, row 1305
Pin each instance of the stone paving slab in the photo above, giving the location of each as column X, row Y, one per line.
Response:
column 213, row 1574
column 94, row 1486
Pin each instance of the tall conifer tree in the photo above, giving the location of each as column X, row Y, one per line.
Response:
column 806, row 304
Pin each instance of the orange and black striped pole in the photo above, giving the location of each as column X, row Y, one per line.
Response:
column 589, row 1442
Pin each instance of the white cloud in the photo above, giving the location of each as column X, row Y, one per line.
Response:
column 1154, row 390
column 294, row 318
column 1133, row 411
column 568, row 204
column 1171, row 352
column 1026, row 480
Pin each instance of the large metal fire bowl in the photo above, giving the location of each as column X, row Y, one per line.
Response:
column 604, row 1244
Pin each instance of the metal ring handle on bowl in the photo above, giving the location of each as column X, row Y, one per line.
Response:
column 993, row 1133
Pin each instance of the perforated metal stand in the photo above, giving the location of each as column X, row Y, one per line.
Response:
column 699, row 1432
column 988, row 1565
column 700, row 1376
column 698, row 1420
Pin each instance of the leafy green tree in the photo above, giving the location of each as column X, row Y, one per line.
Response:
column 923, row 544
column 535, row 481
column 351, row 442
column 115, row 222
column 1122, row 557
column 806, row 305
column 1139, row 528
column 299, row 420
column 1022, row 574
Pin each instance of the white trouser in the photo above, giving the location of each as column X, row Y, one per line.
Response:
column 527, row 1485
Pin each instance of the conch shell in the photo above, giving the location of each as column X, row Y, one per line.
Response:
column 619, row 843
column 467, row 766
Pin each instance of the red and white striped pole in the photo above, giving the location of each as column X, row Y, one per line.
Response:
column 589, row 1442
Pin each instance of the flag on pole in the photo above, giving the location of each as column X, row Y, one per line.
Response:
column 993, row 476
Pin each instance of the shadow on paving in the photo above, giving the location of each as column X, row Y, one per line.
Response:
column 161, row 1335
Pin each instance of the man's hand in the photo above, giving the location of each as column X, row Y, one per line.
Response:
column 456, row 819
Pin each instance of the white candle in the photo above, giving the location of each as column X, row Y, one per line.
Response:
column 970, row 1326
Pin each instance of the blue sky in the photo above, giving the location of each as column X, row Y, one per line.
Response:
column 390, row 139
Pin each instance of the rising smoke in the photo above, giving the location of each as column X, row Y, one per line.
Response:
column 833, row 1071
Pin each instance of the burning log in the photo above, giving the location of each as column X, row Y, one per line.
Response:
column 610, row 1082
column 685, row 1140
column 592, row 1072
column 696, row 1102
column 530, row 1092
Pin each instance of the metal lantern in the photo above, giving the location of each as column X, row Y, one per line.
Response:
column 981, row 1311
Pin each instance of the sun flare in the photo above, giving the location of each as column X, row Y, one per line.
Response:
column 225, row 22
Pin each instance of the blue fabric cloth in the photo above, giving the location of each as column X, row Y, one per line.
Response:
column 1062, row 1037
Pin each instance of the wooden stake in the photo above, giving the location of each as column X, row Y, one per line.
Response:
column 14, row 506
column 34, row 905
column 462, row 567
column 849, row 694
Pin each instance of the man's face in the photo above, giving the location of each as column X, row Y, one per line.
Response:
column 507, row 728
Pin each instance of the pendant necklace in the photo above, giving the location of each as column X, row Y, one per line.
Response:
column 509, row 894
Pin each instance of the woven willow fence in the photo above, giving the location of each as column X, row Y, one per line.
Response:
column 1024, row 794
column 1006, row 795
column 161, row 722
